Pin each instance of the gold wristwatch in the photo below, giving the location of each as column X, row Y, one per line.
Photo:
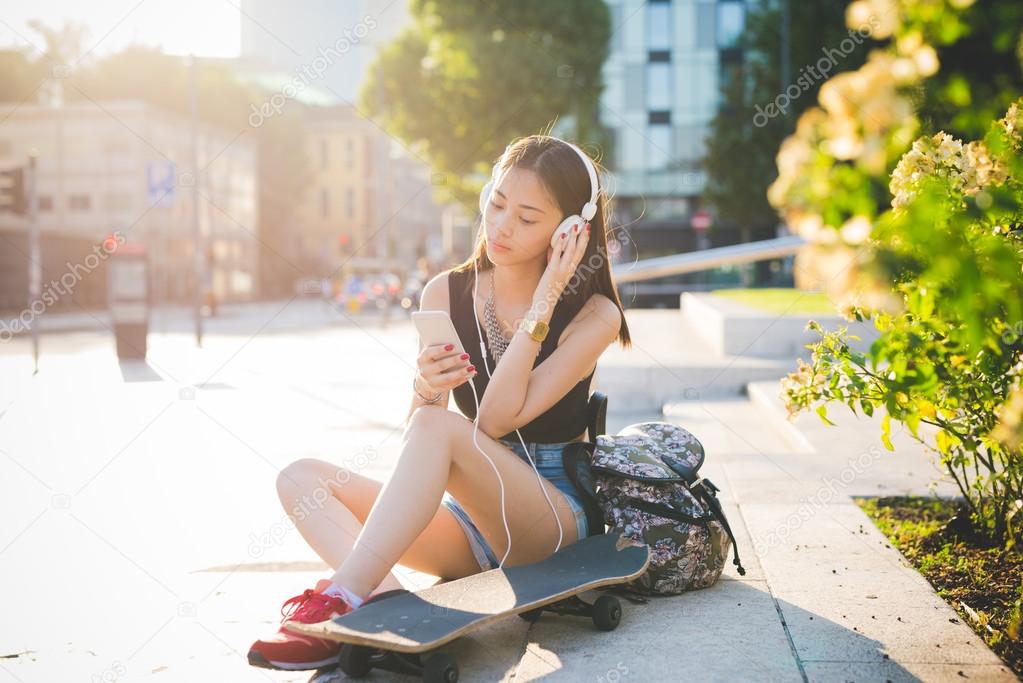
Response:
column 537, row 329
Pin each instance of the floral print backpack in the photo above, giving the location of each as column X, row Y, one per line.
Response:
column 645, row 481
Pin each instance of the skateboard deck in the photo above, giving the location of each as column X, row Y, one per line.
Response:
column 421, row 621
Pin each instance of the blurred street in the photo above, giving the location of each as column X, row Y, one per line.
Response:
column 122, row 480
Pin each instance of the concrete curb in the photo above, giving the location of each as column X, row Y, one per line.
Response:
column 731, row 328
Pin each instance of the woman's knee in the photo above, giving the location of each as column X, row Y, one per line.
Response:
column 310, row 475
column 314, row 481
column 294, row 475
column 434, row 425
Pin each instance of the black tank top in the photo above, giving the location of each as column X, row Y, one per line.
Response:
column 563, row 421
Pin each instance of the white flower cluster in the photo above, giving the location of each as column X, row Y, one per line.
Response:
column 968, row 168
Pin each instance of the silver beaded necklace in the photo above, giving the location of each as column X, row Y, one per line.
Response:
column 495, row 339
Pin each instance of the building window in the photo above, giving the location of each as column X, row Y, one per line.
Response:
column 45, row 202
column 658, row 26
column 324, row 203
column 78, row 202
column 350, row 152
column 324, row 152
column 117, row 202
column 659, row 56
column 658, row 85
column 659, row 117
column 705, row 25
column 731, row 22
column 634, row 87
column 350, row 201
column 658, row 147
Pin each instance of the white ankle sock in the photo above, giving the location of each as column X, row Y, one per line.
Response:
column 342, row 592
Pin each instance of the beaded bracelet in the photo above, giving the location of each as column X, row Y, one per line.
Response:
column 425, row 400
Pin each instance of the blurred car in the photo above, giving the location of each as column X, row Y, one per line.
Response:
column 384, row 289
column 352, row 295
column 374, row 289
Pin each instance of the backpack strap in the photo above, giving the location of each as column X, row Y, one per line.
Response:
column 706, row 491
column 576, row 461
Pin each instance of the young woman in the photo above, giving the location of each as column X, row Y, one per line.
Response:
column 440, row 511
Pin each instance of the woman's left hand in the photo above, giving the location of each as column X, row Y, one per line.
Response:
column 562, row 262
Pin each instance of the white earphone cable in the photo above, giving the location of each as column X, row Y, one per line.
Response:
column 475, row 429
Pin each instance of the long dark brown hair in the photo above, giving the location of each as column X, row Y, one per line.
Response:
column 562, row 174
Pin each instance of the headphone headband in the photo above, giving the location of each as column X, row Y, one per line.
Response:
column 589, row 209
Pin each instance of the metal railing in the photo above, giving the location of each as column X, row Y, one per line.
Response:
column 705, row 259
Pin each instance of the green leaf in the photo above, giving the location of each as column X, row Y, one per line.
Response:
column 822, row 411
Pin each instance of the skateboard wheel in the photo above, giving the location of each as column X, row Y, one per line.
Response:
column 354, row 660
column 531, row 615
column 440, row 668
column 607, row 613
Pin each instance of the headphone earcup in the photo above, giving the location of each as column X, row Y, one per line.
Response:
column 485, row 195
column 565, row 227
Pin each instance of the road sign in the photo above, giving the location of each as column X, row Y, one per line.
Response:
column 701, row 220
column 160, row 177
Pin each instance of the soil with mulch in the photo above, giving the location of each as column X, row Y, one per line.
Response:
column 981, row 581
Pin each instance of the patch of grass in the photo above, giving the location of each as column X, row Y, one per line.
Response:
column 983, row 584
column 781, row 300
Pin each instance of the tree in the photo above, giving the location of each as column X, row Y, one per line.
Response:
column 468, row 77
column 756, row 113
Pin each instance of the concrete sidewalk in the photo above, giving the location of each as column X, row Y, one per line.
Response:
column 107, row 579
column 825, row 598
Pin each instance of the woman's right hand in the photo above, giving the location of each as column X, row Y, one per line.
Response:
column 442, row 368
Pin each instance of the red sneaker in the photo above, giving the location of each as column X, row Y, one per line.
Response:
column 295, row 651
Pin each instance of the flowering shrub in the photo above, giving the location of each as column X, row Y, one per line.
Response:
column 937, row 264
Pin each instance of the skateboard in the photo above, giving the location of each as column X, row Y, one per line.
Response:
column 393, row 629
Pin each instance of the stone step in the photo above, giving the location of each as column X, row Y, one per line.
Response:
column 669, row 361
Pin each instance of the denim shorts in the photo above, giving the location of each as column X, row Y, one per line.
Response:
column 547, row 457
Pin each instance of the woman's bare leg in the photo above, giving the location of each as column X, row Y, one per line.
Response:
column 438, row 453
column 329, row 505
column 324, row 515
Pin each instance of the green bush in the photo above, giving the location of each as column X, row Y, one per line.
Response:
column 939, row 269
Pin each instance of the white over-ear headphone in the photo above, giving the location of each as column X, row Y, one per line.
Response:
column 588, row 211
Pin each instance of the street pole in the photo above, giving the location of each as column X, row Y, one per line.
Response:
column 197, row 249
column 35, row 269
column 785, row 40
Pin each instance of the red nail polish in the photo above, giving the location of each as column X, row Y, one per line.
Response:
column 575, row 228
column 464, row 356
column 449, row 347
column 563, row 235
column 471, row 368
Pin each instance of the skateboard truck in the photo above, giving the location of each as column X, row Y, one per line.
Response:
column 605, row 611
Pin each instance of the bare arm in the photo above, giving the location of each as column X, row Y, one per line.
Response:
column 517, row 393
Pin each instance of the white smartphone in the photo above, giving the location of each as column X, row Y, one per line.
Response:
column 435, row 327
